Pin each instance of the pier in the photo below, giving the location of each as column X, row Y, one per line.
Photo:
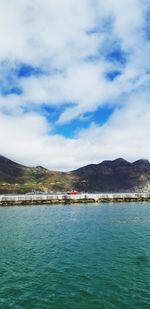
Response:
column 41, row 199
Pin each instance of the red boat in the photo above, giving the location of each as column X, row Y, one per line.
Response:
column 73, row 192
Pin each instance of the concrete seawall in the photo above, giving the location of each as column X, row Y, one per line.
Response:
column 34, row 199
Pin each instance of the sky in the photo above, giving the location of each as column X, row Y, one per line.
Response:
column 74, row 81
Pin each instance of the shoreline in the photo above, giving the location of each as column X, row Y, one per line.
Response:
column 49, row 199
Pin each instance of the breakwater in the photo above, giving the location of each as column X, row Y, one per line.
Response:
column 38, row 199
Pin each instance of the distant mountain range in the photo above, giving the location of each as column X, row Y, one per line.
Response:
column 109, row 176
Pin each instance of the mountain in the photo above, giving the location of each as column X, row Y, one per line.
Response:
column 17, row 178
column 115, row 176
column 144, row 164
column 109, row 176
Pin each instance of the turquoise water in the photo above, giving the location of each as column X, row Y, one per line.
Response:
column 81, row 256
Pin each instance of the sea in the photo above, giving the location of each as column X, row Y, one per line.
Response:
column 94, row 256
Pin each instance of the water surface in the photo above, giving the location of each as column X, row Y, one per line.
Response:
column 77, row 256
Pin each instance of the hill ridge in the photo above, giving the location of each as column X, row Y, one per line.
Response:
column 108, row 176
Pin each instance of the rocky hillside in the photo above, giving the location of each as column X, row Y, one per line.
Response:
column 115, row 176
column 109, row 176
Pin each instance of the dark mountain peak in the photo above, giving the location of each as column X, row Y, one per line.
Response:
column 4, row 160
column 88, row 169
column 116, row 162
column 87, row 166
column 144, row 163
column 120, row 160
column 1, row 157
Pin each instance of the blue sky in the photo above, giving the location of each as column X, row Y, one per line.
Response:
column 74, row 81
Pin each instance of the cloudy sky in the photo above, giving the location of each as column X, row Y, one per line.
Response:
column 74, row 81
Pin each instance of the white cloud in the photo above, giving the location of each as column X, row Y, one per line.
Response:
column 56, row 35
column 126, row 135
column 39, row 31
column 68, row 40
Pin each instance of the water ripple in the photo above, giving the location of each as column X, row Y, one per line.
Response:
column 75, row 257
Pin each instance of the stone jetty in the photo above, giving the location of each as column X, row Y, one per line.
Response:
column 41, row 199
